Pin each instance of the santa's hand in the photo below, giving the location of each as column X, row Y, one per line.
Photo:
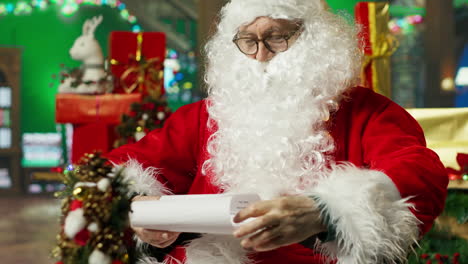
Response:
column 279, row 222
column 156, row 238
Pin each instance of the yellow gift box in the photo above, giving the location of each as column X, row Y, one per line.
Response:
column 446, row 131
column 378, row 45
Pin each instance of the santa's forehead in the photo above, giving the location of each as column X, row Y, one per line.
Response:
column 267, row 23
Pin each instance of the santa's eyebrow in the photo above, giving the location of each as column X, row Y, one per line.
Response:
column 246, row 34
column 272, row 29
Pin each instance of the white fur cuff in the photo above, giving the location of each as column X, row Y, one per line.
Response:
column 143, row 181
column 373, row 224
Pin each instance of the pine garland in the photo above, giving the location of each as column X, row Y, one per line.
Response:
column 440, row 246
column 456, row 206
column 76, row 75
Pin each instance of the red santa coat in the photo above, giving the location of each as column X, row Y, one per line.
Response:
column 369, row 131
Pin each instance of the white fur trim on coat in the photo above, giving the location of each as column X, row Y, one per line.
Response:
column 142, row 248
column 143, row 181
column 373, row 223
column 216, row 249
column 208, row 249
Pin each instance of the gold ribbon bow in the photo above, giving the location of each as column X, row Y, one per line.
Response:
column 149, row 73
column 387, row 45
column 382, row 44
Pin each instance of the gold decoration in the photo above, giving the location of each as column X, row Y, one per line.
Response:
column 125, row 258
column 78, row 193
column 149, row 73
column 383, row 45
column 56, row 251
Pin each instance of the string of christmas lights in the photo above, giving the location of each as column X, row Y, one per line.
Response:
column 67, row 8
column 405, row 25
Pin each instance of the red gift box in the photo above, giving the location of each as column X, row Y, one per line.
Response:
column 103, row 109
column 94, row 118
column 88, row 138
column 132, row 54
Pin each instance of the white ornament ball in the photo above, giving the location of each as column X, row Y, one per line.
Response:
column 139, row 135
column 145, row 116
column 161, row 115
column 93, row 227
column 103, row 184
column 74, row 223
column 97, row 257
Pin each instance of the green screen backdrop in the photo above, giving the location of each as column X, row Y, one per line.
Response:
column 45, row 37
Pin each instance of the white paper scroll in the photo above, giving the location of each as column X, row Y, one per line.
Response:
column 212, row 213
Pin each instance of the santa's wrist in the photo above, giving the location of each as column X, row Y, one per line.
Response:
column 326, row 231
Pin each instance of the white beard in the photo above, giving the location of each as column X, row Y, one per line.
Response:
column 270, row 138
column 269, row 118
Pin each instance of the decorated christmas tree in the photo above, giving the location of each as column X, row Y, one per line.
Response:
column 95, row 205
column 144, row 117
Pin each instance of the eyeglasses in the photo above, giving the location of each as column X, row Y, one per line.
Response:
column 274, row 43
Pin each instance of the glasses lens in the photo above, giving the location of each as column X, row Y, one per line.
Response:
column 277, row 43
column 247, row 46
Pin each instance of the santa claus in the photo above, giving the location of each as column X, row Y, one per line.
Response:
column 343, row 172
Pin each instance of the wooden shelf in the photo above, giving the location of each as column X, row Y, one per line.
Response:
column 450, row 223
column 8, row 151
column 46, row 176
column 41, row 176
column 10, row 158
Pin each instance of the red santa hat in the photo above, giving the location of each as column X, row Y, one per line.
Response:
column 239, row 12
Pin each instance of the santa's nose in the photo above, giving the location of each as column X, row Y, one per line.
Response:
column 263, row 54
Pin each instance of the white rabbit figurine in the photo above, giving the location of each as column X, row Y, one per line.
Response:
column 91, row 76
